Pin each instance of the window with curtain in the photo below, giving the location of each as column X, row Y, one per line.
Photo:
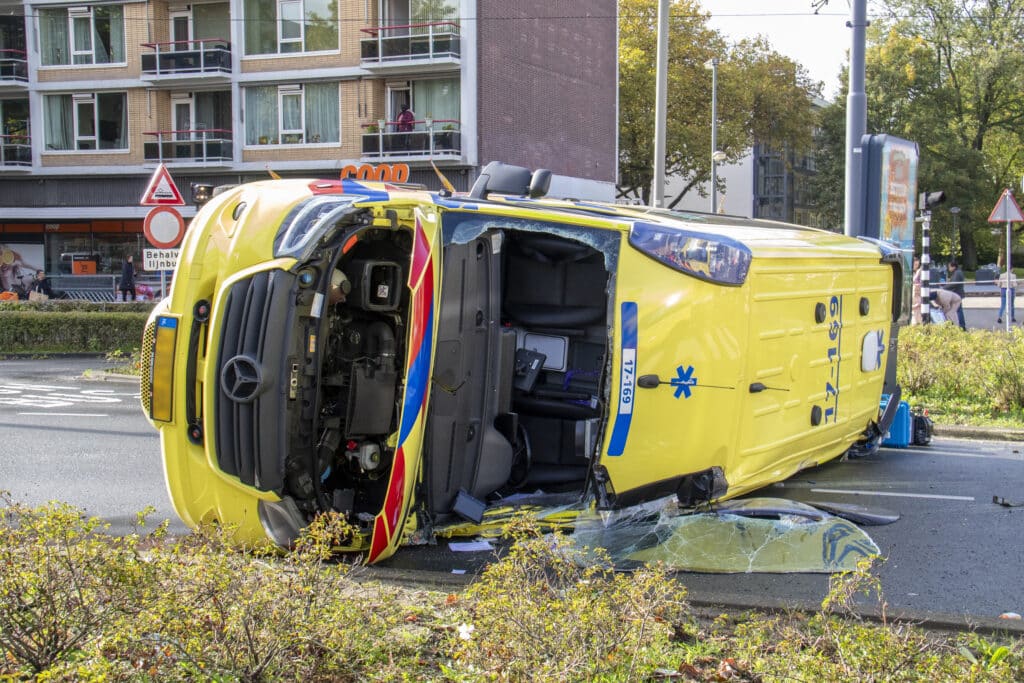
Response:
column 289, row 116
column 290, row 26
column 437, row 98
column 87, row 36
column 211, row 21
column 86, row 122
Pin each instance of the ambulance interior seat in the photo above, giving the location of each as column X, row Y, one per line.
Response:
column 555, row 300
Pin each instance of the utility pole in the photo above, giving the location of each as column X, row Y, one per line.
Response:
column 660, row 107
column 856, row 120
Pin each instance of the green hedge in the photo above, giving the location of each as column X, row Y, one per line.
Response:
column 71, row 327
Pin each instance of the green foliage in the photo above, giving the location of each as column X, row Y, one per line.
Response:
column 125, row 362
column 949, row 76
column 762, row 96
column 62, row 582
column 963, row 377
column 547, row 612
column 77, row 604
column 70, row 327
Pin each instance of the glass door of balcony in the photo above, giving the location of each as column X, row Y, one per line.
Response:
column 181, row 31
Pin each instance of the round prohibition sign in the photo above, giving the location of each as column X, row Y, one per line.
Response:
column 163, row 227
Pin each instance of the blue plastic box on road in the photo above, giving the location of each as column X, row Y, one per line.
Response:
column 901, row 429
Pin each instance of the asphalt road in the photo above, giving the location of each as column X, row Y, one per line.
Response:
column 953, row 552
column 80, row 440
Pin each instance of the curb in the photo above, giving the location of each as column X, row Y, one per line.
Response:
column 974, row 432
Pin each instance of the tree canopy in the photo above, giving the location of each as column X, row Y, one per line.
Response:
column 763, row 96
column 949, row 75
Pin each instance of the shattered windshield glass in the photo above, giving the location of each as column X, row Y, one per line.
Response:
column 754, row 535
column 757, row 535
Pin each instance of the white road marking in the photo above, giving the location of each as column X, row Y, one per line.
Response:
column 959, row 454
column 49, row 396
column 69, row 414
column 893, row 495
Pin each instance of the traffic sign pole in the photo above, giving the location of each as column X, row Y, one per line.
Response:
column 1008, row 314
column 1006, row 209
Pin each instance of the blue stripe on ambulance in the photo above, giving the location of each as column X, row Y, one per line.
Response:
column 627, row 378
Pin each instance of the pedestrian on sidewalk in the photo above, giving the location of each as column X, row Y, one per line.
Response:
column 1007, row 292
column 127, row 285
column 955, row 284
column 946, row 301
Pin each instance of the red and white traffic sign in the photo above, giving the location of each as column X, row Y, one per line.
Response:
column 161, row 190
column 163, row 227
column 1006, row 210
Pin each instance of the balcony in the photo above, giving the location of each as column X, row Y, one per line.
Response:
column 188, row 61
column 410, row 44
column 183, row 147
column 15, row 151
column 436, row 139
column 13, row 70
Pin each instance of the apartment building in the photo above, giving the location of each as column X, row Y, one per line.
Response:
column 94, row 95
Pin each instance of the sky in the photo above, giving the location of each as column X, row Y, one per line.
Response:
column 818, row 42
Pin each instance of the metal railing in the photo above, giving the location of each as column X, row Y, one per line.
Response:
column 187, row 57
column 201, row 145
column 426, row 41
column 15, row 150
column 13, row 65
column 438, row 137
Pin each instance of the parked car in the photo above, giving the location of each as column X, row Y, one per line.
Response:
column 410, row 358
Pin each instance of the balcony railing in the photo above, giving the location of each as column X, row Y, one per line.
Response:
column 206, row 145
column 187, row 57
column 15, row 150
column 410, row 42
column 440, row 137
column 13, row 65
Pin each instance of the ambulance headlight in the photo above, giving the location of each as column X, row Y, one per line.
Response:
column 307, row 223
column 713, row 258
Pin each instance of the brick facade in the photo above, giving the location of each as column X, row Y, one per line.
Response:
column 547, row 85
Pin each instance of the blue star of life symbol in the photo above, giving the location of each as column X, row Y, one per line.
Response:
column 684, row 381
column 881, row 348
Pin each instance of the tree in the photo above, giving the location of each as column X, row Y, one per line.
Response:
column 949, row 74
column 762, row 96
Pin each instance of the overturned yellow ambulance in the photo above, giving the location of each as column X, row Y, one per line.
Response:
column 411, row 358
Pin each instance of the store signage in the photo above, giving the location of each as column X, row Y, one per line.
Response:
column 396, row 173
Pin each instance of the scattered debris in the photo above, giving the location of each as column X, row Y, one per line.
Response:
column 999, row 500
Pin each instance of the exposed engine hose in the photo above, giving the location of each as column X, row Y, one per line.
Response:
column 381, row 344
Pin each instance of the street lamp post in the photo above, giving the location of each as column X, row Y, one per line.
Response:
column 712, row 64
column 955, row 210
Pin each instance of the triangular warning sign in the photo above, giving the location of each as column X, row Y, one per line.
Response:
column 161, row 190
column 1006, row 210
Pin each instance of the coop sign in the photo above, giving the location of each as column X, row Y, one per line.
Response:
column 159, row 259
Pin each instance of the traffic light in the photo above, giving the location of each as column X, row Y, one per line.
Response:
column 926, row 201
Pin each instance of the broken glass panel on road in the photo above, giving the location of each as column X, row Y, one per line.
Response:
column 759, row 535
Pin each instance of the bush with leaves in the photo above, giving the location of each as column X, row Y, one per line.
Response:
column 973, row 376
column 548, row 611
column 77, row 604
column 63, row 582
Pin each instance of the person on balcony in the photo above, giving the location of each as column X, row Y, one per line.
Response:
column 405, row 123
